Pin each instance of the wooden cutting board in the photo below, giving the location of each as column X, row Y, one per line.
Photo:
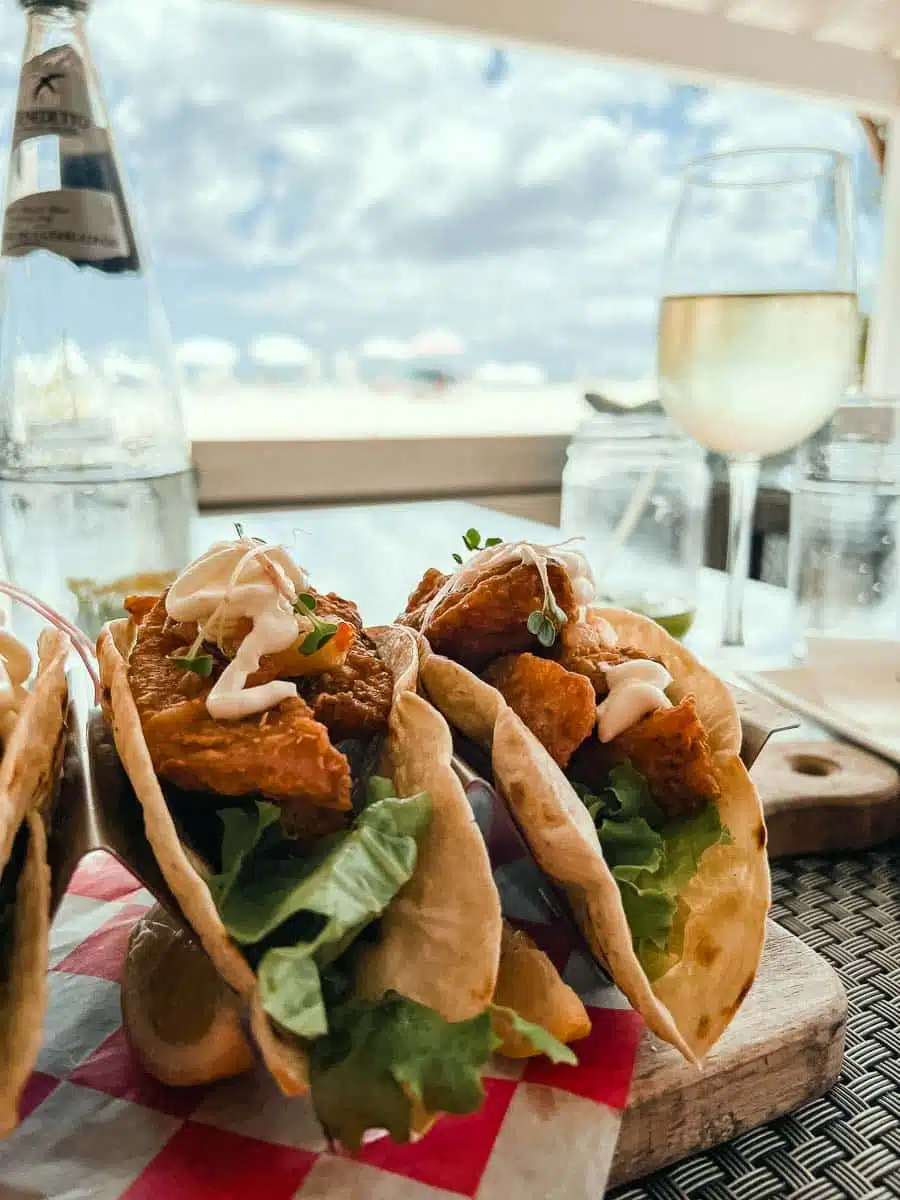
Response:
column 824, row 796
column 784, row 1047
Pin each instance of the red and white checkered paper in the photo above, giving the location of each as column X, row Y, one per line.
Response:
column 95, row 1125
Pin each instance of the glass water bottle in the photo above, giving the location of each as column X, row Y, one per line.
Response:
column 89, row 387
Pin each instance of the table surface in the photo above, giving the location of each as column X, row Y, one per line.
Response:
column 847, row 908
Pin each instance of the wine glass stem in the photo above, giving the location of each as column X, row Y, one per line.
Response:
column 743, row 479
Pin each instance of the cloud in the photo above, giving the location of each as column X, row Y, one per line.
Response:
column 279, row 350
column 209, row 355
column 335, row 180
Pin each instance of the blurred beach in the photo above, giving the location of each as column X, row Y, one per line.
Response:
column 233, row 410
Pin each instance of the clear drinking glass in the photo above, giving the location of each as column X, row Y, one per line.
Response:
column 758, row 328
column 84, row 547
column 844, row 547
column 636, row 489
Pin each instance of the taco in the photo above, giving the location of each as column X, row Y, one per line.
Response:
column 617, row 752
column 32, row 725
column 299, row 796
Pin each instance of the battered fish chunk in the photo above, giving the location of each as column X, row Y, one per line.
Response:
column 284, row 754
column 354, row 699
column 669, row 748
column 558, row 707
column 139, row 607
column 432, row 581
column 488, row 619
column 330, row 606
column 583, row 650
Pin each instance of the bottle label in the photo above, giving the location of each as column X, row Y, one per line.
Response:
column 86, row 161
column 53, row 96
column 82, row 225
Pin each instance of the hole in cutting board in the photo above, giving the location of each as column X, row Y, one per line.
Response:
column 813, row 764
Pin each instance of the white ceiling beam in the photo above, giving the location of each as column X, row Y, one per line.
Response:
column 701, row 47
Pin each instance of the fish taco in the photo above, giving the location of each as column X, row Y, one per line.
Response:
column 299, row 796
column 33, row 701
column 617, row 752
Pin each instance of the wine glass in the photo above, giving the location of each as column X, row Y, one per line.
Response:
column 758, row 328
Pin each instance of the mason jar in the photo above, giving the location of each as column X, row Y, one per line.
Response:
column 843, row 557
column 636, row 490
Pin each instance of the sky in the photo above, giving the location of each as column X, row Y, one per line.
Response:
column 335, row 181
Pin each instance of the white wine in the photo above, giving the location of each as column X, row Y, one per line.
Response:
column 756, row 373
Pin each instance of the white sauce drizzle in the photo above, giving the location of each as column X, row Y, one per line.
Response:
column 234, row 581
column 573, row 562
column 15, row 667
column 636, row 689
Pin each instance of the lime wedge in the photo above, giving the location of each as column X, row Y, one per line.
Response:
column 676, row 624
column 674, row 616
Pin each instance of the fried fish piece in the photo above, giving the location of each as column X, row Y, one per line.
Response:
column 354, row 699
column 284, row 753
column 557, row 706
column 139, row 607
column 330, row 606
column 489, row 618
column 430, row 583
column 351, row 696
column 669, row 748
column 584, row 650
column 528, row 983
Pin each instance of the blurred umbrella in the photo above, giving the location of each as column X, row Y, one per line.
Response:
column 511, row 374
column 436, row 343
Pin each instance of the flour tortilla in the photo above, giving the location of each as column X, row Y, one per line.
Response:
column 29, row 773
column 429, row 933
column 692, row 1004
column 440, row 940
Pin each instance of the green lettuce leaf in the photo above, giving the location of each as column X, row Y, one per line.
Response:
column 348, row 880
column 244, row 837
column 382, row 1057
column 296, row 914
column 541, row 1039
column 627, row 820
column 290, row 988
column 303, row 920
column 652, row 859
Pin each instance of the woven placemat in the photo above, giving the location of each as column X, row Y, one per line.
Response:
column 846, row 1144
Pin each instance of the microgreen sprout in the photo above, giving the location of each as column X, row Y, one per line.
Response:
column 322, row 631
column 239, row 530
column 199, row 664
column 472, row 540
column 545, row 622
